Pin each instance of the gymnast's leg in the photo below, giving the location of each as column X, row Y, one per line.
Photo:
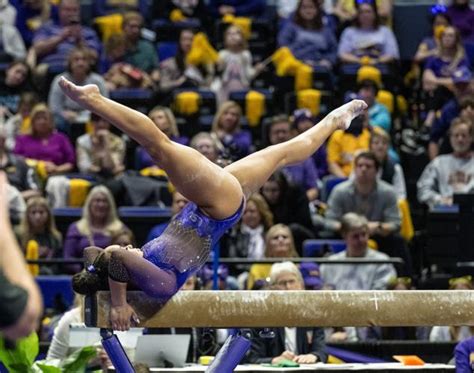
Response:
column 214, row 190
column 253, row 170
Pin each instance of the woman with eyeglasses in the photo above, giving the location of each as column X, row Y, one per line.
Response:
column 367, row 41
column 279, row 243
column 217, row 198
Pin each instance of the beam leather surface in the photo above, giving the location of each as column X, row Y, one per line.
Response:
column 226, row 309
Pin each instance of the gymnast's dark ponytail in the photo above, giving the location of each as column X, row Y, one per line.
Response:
column 94, row 277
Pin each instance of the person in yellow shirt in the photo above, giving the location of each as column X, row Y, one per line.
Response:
column 343, row 146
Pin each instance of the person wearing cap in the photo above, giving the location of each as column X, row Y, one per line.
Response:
column 303, row 120
column 463, row 98
column 452, row 173
column 311, row 276
column 301, row 345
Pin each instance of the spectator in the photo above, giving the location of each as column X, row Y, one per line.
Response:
column 375, row 199
column 12, row 45
column 179, row 201
column 247, row 8
column 464, row 355
column 20, row 123
column 165, row 120
column 302, row 174
column 379, row 116
column 8, row 13
column 105, row 7
column 279, row 243
column 100, row 153
column 355, row 230
column 463, row 100
column 190, row 10
column 98, row 224
column 288, row 203
column 38, row 225
column 454, row 333
column 16, row 203
column 462, row 17
column 439, row 69
column 15, row 82
column 234, row 65
column 450, row 173
column 302, row 121
column 226, row 127
column 139, row 53
column 19, row 174
column 368, row 39
column 205, row 144
column 21, row 305
column 389, row 171
column 247, row 239
column 308, row 38
column 301, row 345
column 428, row 46
column 176, row 72
column 46, row 144
column 346, row 10
column 32, row 15
column 344, row 145
column 79, row 70
column 53, row 42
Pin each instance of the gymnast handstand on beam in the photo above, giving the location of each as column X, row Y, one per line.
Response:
column 217, row 198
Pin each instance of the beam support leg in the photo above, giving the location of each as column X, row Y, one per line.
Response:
column 116, row 353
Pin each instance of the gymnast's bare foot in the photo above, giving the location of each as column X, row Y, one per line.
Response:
column 342, row 117
column 84, row 95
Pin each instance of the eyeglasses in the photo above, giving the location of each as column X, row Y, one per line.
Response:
column 285, row 283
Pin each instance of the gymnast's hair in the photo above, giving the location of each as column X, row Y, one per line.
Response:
column 94, row 277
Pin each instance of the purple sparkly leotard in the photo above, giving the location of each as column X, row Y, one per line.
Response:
column 186, row 243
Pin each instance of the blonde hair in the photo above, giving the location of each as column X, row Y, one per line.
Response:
column 24, row 228
column 459, row 54
column 113, row 224
column 271, row 232
column 222, row 109
column 381, row 133
column 37, row 109
column 169, row 117
column 263, row 209
column 243, row 45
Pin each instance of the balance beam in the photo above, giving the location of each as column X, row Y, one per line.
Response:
column 248, row 309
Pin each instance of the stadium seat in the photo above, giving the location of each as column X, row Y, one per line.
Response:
column 169, row 31
column 329, row 183
column 56, row 290
column 166, row 49
column 319, row 247
column 137, row 98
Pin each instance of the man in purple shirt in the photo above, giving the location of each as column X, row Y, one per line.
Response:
column 303, row 174
column 53, row 41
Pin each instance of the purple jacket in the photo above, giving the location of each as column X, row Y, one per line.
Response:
column 461, row 355
column 303, row 174
column 238, row 144
column 76, row 242
column 57, row 149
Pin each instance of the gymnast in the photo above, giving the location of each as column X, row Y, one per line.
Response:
column 216, row 195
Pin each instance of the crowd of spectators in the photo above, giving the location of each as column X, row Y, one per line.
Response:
column 192, row 56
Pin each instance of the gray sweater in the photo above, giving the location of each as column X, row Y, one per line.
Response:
column 444, row 176
column 380, row 205
column 358, row 276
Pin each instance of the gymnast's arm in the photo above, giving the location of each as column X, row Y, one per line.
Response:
column 121, row 313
